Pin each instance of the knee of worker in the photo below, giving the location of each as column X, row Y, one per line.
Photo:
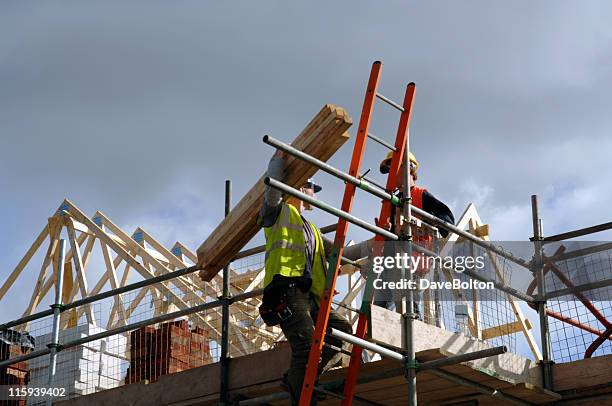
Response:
column 300, row 341
column 339, row 323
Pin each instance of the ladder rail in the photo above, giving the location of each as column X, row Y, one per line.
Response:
column 385, row 213
column 340, row 237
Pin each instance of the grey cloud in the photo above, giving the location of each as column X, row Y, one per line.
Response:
column 128, row 107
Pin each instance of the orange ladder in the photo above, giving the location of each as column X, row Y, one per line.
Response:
column 401, row 143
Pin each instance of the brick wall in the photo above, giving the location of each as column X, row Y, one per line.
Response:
column 170, row 348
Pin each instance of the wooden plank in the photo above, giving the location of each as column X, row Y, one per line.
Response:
column 475, row 293
column 68, row 319
column 37, row 294
column 504, row 329
column 321, row 138
column 582, row 373
column 24, row 261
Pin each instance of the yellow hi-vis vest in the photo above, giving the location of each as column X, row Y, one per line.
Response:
column 286, row 250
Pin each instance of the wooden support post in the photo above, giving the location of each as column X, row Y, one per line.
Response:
column 112, row 276
column 54, row 228
column 24, row 262
column 80, row 271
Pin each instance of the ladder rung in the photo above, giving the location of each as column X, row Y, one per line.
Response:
column 390, row 102
column 337, row 349
column 381, row 141
column 347, row 307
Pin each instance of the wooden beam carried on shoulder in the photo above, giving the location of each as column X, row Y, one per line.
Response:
column 321, row 138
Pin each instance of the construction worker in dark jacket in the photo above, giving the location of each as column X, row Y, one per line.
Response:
column 295, row 273
column 421, row 197
column 424, row 200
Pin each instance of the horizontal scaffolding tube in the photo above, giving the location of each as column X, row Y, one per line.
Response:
column 360, row 183
column 479, row 387
column 581, row 252
column 456, row 359
column 264, row 400
column 330, row 209
column 133, row 326
column 484, row 244
column 390, row 102
column 103, row 295
column 349, row 338
column 275, row 397
column 578, row 233
column 579, row 288
column 504, row 288
column 144, row 283
column 385, row 352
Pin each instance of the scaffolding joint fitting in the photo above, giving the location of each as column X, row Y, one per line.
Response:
column 412, row 365
column 410, row 315
column 58, row 347
column 405, row 237
column 227, row 298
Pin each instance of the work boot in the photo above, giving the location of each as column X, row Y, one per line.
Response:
column 285, row 385
column 284, row 382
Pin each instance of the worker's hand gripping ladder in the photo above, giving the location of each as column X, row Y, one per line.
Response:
column 353, row 181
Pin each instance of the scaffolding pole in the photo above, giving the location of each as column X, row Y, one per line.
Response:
column 56, row 307
column 224, row 358
column 408, row 313
column 541, row 297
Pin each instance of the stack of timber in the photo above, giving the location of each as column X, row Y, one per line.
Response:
column 321, row 138
column 171, row 348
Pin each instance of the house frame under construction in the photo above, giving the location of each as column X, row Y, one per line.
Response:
column 427, row 361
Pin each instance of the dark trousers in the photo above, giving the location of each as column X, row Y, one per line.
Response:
column 298, row 330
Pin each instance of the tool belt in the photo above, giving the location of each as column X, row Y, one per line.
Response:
column 275, row 307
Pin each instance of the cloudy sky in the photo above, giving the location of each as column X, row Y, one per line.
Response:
column 143, row 109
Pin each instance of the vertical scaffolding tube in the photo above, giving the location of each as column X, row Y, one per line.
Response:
column 436, row 276
column 56, row 306
column 408, row 302
column 541, row 297
column 225, row 298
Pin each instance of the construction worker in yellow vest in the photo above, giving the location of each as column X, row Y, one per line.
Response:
column 295, row 273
